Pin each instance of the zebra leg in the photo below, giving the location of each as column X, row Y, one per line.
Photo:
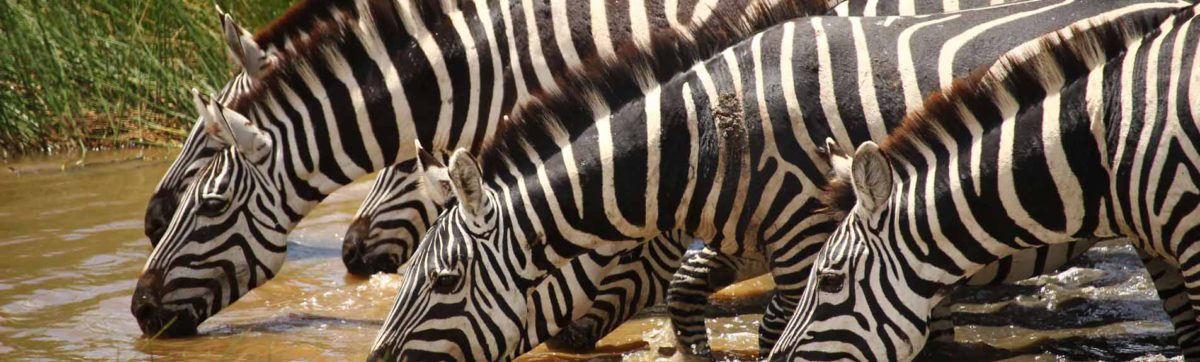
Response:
column 638, row 281
column 1171, row 289
column 790, row 261
column 701, row 274
column 790, row 267
column 941, row 325
column 789, row 287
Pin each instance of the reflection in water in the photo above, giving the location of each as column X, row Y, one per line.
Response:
column 72, row 240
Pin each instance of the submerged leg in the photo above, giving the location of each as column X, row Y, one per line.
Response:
column 638, row 280
column 700, row 275
column 1169, row 283
column 790, row 266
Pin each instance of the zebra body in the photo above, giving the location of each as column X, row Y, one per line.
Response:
column 704, row 272
column 393, row 216
column 350, row 96
column 1098, row 122
column 747, row 122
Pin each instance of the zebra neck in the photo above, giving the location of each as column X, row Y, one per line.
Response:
column 681, row 157
column 353, row 107
column 393, row 77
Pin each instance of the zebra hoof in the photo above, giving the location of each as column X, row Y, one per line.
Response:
column 693, row 353
column 580, row 336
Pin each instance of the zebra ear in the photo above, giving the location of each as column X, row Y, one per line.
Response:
column 235, row 129
column 467, row 182
column 872, row 176
column 839, row 161
column 201, row 104
column 205, row 118
column 242, row 47
column 435, row 181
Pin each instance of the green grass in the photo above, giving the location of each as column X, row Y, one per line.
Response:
column 105, row 73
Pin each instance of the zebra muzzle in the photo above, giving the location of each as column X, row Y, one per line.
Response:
column 154, row 320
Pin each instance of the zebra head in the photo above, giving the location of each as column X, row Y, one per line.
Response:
column 392, row 218
column 864, row 301
column 224, row 239
column 199, row 148
column 454, row 304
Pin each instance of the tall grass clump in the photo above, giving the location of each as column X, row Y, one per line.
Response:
column 102, row 73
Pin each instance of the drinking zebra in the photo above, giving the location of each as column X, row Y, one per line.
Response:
column 331, row 105
column 392, row 218
column 1098, row 124
column 472, row 44
column 556, row 183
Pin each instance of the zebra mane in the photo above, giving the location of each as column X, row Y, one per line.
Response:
column 306, row 15
column 315, row 27
column 301, row 17
column 602, row 86
column 1075, row 49
column 837, row 196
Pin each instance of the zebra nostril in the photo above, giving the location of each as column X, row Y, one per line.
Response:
column 144, row 307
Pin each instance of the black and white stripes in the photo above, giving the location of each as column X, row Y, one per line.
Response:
column 600, row 167
column 1098, row 124
column 346, row 92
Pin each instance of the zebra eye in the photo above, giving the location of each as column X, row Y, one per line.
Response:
column 831, row 281
column 212, row 206
column 445, row 283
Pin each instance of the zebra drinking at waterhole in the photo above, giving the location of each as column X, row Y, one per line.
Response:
column 331, row 106
column 1091, row 131
column 555, row 184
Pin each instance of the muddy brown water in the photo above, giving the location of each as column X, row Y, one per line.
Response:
column 71, row 246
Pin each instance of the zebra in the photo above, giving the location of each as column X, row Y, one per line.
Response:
column 553, row 183
column 567, row 41
column 392, row 216
column 1107, row 113
column 330, row 107
column 256, row 54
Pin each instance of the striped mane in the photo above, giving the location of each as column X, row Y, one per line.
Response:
column 611, row 84
column 312, row 27
column 1020, row 75
column 306, row 15
column 301, row 17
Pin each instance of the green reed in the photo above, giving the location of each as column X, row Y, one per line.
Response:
column 103, row 73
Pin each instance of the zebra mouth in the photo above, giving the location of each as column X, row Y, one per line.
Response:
column 357, row 256
column 367, row 265
column 154, row 320
column 162, row 323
